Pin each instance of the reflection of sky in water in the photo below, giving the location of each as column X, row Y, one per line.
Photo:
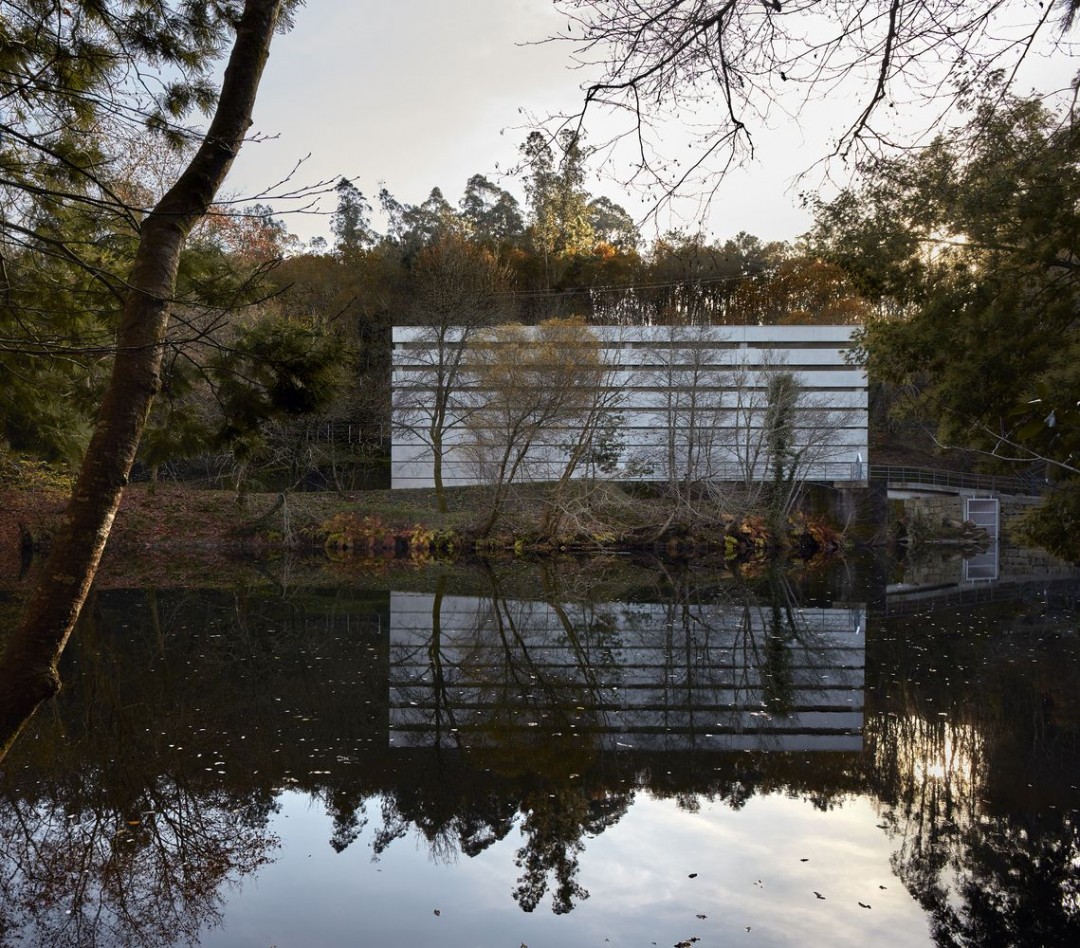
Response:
column 134, row 812
column 749, row 873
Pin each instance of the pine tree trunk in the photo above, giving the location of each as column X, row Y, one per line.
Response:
column 28, row 666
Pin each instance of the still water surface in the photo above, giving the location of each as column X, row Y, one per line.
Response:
column 597, row 755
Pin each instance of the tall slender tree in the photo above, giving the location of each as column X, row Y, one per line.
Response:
column 559, row 215
column 457, row 290
column 491, row 213
column 351, row 222
column 68, row 64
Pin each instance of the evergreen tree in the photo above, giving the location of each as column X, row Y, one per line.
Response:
column 491, row 213
column 60, row 69
column 971, row 247
column 351, row 222
column 559, row 218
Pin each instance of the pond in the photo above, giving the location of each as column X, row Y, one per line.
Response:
column 592, row 753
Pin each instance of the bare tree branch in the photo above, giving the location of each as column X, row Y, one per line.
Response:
column 731, row 63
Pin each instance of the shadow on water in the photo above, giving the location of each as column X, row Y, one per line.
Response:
column 538, row 704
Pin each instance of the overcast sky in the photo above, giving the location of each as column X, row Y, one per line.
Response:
column 416, row 94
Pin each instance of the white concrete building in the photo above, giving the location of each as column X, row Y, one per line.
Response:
column 686, row 403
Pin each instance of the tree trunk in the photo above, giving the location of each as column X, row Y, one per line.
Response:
column 28, row 666
column 436, row 469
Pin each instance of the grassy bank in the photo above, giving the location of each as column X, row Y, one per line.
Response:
column 178, row 526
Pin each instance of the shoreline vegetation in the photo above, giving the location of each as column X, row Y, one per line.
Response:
column 177, row 521
column 187, row 531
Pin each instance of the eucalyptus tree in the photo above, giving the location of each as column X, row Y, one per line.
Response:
column 62, row 67
column 411, row 227
column 351, row 221
column 611, row 223
column 492, row 214
column 559, row 218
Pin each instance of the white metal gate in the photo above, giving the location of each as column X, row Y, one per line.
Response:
column 984, row 512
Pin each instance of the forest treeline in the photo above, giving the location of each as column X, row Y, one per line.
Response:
column 269, row 330
column 956, row 259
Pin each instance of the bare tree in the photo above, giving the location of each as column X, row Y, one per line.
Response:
column 690, row 380
column 593, row 442
column 784, row 434
column 738, row 432
column 748, row 442
column 744, row 61
column 155, row 884
column 458, row 289
column 530, row 389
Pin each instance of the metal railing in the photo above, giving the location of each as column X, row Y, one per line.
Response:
column 343, row 432
column 999, row 483
column 734, row 472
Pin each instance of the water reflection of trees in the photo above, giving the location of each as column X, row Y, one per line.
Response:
column 190, row 711
column 86, row 873
column 973, row 759
column 186, row 714
column 130, row 808
column 484, row 687
column 749, row 659
column 547, row 693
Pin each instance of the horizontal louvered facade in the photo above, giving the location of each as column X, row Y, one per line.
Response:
column 644, row 676
column 677, row 402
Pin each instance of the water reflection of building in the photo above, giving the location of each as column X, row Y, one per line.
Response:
column 945, row 582
column 135, row 805
column 467, row 671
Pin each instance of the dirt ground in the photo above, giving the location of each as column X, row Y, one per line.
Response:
column 152, row 535
column 181, row 531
